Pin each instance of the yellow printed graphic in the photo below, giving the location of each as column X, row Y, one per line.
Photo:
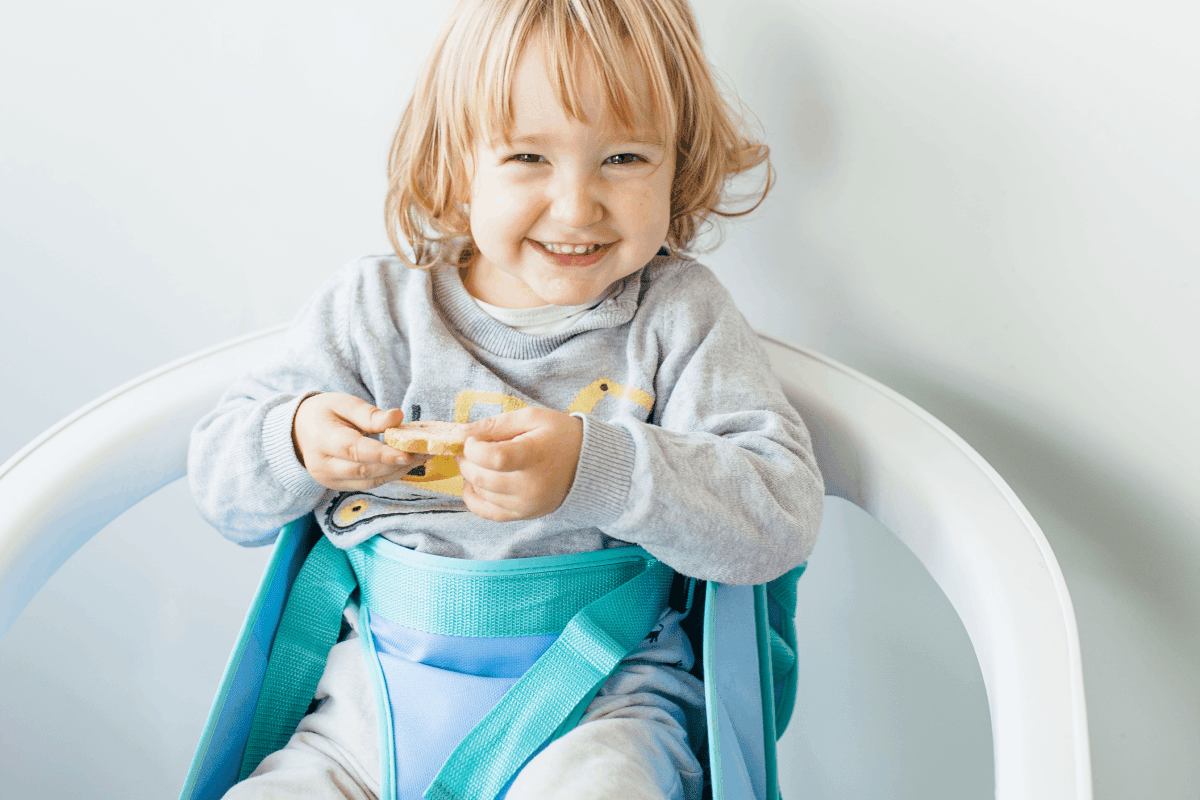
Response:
column 441, row 472
column 349, row 514
column 467, row 399
column 441, row 475
column 591, row 395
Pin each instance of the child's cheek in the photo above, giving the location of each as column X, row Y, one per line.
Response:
column 651, row 206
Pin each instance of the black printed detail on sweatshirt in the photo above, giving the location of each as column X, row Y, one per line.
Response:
column 349, row 510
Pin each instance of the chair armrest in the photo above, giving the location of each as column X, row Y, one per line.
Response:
column 898, row 463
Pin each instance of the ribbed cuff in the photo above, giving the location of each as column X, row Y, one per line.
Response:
column 603, row 476
column 280, row 452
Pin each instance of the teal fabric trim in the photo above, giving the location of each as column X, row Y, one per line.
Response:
column 308, row 629
column 712, row 703
column 766, row 684
column 552, row 691
column 739, row 696
column 782, row 591
column 385, row 548
column 783, row 658
column 214, row 766
column 515, row 597
column 383, row 706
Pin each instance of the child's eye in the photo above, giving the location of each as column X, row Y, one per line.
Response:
column 527, row 158
column 623, row 158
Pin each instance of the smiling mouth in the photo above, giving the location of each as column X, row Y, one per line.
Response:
column 568, row 255
column 572, row 249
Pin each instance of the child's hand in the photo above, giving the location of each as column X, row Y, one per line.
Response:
column 520, row 464
column 328, row 432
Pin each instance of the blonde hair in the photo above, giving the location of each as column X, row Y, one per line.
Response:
column 465, row 89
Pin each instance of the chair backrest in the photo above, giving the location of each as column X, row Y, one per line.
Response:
column 906, row 469
column 876, row 449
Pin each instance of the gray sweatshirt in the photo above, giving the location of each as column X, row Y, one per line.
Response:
column 689, row 449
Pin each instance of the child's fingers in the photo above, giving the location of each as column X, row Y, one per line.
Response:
column 500, row 427
column 357, row 476
column 510, row 455
column 523, row 439
column 390, row 455
column 364, row 416
column 350, row 445
column 345, row 468
column 481, row 476
column 484, row 504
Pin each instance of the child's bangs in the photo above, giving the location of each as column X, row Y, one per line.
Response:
column 620, row 41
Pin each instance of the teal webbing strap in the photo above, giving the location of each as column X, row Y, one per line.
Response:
column 308, row 629
column 551, row 692
column 766, row 683
column 783, row 592
column 512, row 597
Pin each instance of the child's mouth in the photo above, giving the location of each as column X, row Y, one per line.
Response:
column 565, row 255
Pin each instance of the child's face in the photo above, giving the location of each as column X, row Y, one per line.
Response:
column 565, row 183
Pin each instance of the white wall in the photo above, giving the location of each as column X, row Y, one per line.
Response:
column 990, row 207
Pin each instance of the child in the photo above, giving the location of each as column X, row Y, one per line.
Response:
column 614, row 394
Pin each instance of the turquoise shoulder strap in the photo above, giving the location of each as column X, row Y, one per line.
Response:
column 309, row 628
column 552, row 696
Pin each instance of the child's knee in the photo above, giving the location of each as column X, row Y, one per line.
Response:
column 612, row 758
column 334, row 754
column 309, row 767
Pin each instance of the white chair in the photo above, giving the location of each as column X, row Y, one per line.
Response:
column 876, row 449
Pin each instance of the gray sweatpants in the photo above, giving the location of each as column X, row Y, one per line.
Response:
column 635, row 741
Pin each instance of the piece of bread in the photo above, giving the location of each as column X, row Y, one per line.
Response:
column 432, row 437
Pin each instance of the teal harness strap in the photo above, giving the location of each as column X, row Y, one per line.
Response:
column 554, row 692
column 547, row 701
column 308, row 629
column 781, row 593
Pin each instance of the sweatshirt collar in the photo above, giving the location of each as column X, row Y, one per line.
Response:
column 460, row 310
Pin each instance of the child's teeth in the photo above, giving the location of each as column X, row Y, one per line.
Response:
column 571, row 249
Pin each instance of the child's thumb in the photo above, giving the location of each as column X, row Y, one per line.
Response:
column 370, row 419
column 494, row 429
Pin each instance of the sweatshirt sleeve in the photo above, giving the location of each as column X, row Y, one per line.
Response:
column 242, row 466
column 725, row 486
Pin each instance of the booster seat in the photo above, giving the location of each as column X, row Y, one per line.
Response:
column 260, row 702
column 875, row 449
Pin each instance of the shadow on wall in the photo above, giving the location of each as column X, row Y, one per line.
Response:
column 892, row 702
column 774, row 67
column 1123, row 549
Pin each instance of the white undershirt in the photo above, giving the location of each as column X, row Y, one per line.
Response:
column 543, row 319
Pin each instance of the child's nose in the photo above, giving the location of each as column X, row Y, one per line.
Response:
column 575, row 202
